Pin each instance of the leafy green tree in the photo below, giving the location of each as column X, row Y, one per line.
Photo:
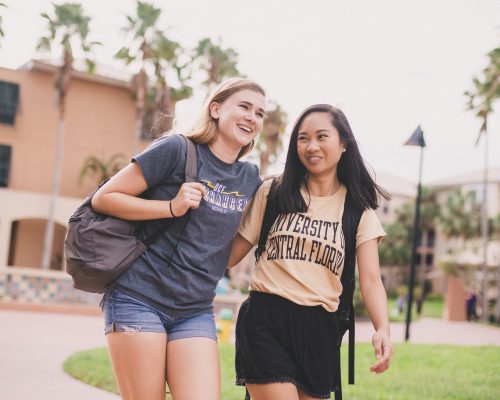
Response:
column 269, row 142
column 480, row 100
column 395, row 249
column 218, row 62
column 101, row 170
column 159, row 60
column 486, row 91
column 461, row 216
column 167, row 56
column 140, row 30
column 67, row 28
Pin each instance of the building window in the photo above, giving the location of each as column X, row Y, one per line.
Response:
column 429, row 258
column 9, row 98
column 431, row 238
column 5, row 155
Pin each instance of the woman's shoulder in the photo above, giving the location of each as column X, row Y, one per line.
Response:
column 265, row 187
column 248, row 166
column 171, row 142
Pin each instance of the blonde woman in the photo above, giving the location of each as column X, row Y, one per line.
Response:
column 159, row 320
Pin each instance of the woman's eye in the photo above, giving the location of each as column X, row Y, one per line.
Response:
column 260, row 115
column 244, row 106
column 322, row 137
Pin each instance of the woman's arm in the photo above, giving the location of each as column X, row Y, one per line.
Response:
column 118, row 197
column 375, row 300
column 240, row 249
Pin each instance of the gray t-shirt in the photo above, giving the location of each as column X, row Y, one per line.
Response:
column 180, row 271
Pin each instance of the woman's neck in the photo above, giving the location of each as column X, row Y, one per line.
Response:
column 322, row 186
column 223, row 151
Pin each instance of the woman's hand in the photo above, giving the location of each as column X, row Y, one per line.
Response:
column 383, row 351
column 189, row 196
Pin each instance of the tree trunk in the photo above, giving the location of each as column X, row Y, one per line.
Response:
column 138, row 133
column 56, row 183
column 485, row 234
column 497, row 307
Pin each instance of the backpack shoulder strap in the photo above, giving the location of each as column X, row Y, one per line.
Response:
column 270, row 214
column 350, row 221
column 191, row 169
column 190, row 175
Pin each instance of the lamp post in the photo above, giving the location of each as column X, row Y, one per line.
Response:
column 416, row 139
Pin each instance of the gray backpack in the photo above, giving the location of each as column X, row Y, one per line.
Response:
column 98, row 247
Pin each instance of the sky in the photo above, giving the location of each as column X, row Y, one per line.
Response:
column 390, row 65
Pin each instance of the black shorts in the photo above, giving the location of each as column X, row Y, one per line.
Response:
column 280, row 341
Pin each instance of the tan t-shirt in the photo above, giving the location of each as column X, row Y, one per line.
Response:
column 304, row 255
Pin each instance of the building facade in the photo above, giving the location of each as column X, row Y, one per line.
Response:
column 99, row 122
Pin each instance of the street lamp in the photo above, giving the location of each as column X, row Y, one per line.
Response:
column 416, row 139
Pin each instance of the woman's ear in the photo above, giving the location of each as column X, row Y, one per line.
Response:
column 214, row 110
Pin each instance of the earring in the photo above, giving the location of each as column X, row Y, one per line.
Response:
column 343, row 151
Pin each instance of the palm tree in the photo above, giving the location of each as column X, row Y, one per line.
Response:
column 141, row 30
column 2, row 34
column 101, row 170
column 480, row 100
column 217, row 62
column 166, row 56
column 395, row 249
column 460, row 218
column 269, row 141
column 67, row 28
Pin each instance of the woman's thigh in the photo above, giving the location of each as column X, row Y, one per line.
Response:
column 138, row 361
column 273, row 391
column 137, row 344
column 193, row 368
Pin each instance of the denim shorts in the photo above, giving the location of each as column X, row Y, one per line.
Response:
column 124, row 313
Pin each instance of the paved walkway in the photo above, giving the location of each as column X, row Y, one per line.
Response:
column 33, row 346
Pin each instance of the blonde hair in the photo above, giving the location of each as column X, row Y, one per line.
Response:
column 205, row 129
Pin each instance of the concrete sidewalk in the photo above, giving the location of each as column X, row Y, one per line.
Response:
column 34, row 345
column 436, row 331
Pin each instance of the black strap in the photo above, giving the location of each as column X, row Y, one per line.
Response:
column 345, row 312
column 190, row 175
column 350, row 222
column 270, row 214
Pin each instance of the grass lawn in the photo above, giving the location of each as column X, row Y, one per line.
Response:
column 431, row 372
column 432, row 308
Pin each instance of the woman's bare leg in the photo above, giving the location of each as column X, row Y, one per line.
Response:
column 138, row 360
column 193, row 369
column 303, row 396
column 273, row 391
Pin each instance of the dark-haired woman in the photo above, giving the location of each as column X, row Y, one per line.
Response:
column 285, row 346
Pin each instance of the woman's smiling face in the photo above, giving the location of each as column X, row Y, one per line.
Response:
column 240, row 117
column 319, row 145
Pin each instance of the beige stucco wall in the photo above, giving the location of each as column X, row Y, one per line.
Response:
column 22, row 205
column 100, row 121
column 26, row 244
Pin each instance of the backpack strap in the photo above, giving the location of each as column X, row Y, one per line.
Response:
column 270, row 214
column 190, row 175
column 350, row 221
column 191, row 169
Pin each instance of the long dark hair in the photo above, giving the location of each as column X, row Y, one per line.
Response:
column 351, row 169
